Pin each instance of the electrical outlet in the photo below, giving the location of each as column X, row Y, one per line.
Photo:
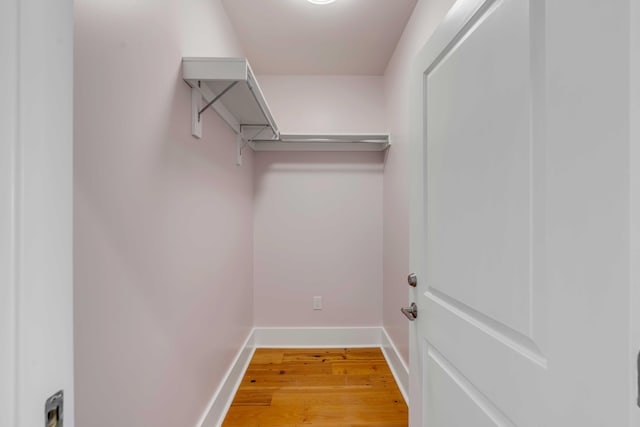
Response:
column 317, row 303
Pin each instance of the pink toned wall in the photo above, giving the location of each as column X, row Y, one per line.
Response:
column 318, row 216
column 163, row 222
column 425, row 18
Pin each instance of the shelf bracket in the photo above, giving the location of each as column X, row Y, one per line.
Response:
column 196, row 111
column 240, row 144
column 220, row 95
column 242, row 141
column 196, row 101
column 261, row 128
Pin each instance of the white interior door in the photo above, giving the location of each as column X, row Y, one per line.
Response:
column 520, row 217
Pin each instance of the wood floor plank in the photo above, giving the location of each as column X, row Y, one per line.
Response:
column 248, row 416
column 319, row 355
column 246, row 397
column 291, row 368
column 369, row 354
column 360, row 368
column 347, row 415
column 319, row 388
column 266, row 357
column 322, row 398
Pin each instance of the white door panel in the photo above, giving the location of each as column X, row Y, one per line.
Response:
column 454, row 400
column 479, row 197
column 508, row 241
column 478, row 308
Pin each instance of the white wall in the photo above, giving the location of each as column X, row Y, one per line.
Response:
column 424, row 20
column 318, row 232
column 36, row 326
column 163, row 227
column 318, row 216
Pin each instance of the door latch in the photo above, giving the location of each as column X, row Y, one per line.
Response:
column 53, row 410
column 412, row 312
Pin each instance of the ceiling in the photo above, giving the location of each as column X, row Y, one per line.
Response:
column 297, row 37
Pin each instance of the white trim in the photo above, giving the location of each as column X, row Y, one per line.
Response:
column 316, row 337
column 396, row 363
column 9, row 176
column 634, row 226
column 223, row 396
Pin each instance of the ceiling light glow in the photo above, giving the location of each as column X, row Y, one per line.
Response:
column 321, row 1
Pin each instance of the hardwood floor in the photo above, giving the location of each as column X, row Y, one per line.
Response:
column 322, row 387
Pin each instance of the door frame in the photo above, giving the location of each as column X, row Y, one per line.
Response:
column 634, row 156
column 36, row 209
column 8, row 140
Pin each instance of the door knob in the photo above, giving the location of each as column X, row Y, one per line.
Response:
column 411, row 313
column 412, row 279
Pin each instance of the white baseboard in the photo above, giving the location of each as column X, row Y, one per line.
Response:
column 397, row 365
column 222, row 398
column 301, row 338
